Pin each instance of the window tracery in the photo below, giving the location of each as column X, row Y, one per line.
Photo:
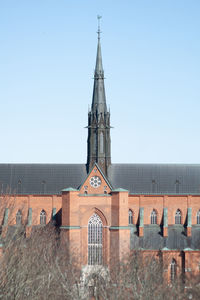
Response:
column 153, row 217
column 178, row 217
column 130, row 217
column 19, row 217
column 95, row 240
column 173, row 270
column 43, row 217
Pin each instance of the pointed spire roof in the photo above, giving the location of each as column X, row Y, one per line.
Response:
column 99, row 73
column 99, row 97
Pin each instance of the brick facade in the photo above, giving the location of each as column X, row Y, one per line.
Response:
column 73, row 209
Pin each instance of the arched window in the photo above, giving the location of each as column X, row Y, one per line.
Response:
column 173, row 269
column 198, row 217
column 19, row 217
column 130, row 217
column 178, row 217
column 153, row 217
column 85, row 189
column 101, row 143
column 43, row 217
column 95, row 240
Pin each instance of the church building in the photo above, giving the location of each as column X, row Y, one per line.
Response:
column 106, row 210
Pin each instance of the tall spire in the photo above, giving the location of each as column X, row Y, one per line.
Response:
column 99, row 66
column 99, row 97
column 99, row 118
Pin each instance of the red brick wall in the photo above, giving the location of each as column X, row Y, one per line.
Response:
column 78, row 207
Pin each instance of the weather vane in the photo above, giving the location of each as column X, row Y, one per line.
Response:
column 99, row 31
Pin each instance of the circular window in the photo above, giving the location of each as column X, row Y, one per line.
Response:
column 95, row 181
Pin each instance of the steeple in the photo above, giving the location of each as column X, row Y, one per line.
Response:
column 99, row 97
column 99, row 118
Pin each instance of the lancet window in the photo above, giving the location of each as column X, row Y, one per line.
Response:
column 178, row 217
column 130, row 217
column 19, row 217
column 153, row 217
column 173, row 270
column 198, row 217
column 95, row 240
column 43, row 217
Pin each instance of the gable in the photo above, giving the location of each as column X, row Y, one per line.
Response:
column 95, row 183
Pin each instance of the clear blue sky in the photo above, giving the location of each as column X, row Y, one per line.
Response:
column 151, row 52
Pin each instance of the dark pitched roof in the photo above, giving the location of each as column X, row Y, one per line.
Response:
column 154, row 240
column 40, row 178
column 137, row 178
column 156, row 178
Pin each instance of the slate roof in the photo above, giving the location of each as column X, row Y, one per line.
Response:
column 156, row 178
column 40, row 178
column 154, row 240
column 136, row 178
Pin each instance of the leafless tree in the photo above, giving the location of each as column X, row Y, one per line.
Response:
column 138, row 277
column 39, row 266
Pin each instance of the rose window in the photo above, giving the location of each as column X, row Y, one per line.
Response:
column 95, row 181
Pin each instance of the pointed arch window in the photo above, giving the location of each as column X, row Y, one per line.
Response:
column 173, row 270
column 43, row 217
column 198, row 217
column 130, row 217
column 101, row 143
column 178, row 217
column 153, row 217
column 95, row 240
column 19, row 217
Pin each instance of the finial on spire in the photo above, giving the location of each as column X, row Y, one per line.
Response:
column 99, row 31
